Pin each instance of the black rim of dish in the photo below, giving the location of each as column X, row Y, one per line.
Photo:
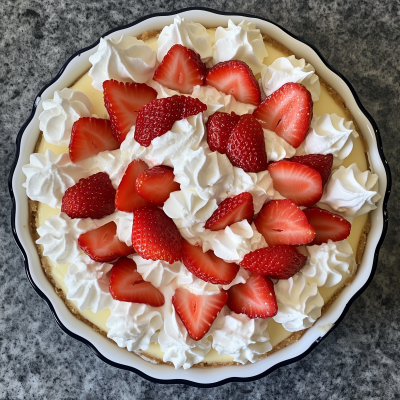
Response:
column 230, row 379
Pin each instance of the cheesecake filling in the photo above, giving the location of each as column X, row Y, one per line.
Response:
column 206, row 178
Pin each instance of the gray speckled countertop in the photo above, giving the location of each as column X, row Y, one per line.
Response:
column 360, row 359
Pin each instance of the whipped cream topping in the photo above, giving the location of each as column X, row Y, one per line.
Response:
column 59, row 234
column 290, row 69
column 240, row 42
column 299, row 303
column 276, row 147
column 48, row 177
column 126, row 59
column 189, row 34
column 329, row 263
column 239, row 336
column 59, row 114
column 87, row 282
column 329, row 134
column 134, row 325
column 351, row 192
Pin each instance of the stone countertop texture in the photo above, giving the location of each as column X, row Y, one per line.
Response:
column 359, row 359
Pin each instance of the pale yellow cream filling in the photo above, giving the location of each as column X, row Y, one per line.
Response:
column 325, row 104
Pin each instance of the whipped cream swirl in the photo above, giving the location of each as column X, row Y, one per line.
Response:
column 240, row 42
column 351, row 192
column 126, row 60
column 329, row 134
column 239, row 336
column 134, row 325
column 189, row 34
column 59, row 114
column 87, row 282
column 276, row 147
column 329, row 263
column 299, row 304
column 290, row 69
column 48, row 177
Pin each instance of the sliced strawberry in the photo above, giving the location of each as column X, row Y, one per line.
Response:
column 155, row 236
column 231, row 210
column 126, row 284
column 181, row 69
column 320, row 162
column 288, row 112
column 91, row 197
column 282, row 222
column 207, row 266
column 198, row 312
column 158, row 116
column 279, row 262
column 236, row 78
column 123, row 101
column 246, row 145
column 102, row 244
column 255, row 298
column 90, row 136
column 219, row 128
column 156, row 184
column 127, row 198
column 328, row 226
column 297, row 182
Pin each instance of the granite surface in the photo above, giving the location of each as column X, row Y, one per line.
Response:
column 360, row 359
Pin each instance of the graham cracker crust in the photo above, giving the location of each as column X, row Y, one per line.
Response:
column 294, row 337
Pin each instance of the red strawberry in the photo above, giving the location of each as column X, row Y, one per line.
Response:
column 231, row 210
column 155, row 236
column 297, row 182
column 327, row 225
column 126, row 284
column 156, row 184
column 279, row 262
column 246, row 145
column 321, row 163
column 236, row 78
column 90, row 136
column 157, row 117
column 207, row 266
column 92, row 197
column 127, row 199
column 282, row 222
column 219, row 128
column 102, row 244
column 181, row 69
column 255, row 298
column 198, row 312
column 288, row 112
column 123, row 101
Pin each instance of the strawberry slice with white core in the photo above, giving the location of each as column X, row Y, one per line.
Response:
column 127, row 199
column 90, row 136
column 123, row 100
column 102, row 244
column 320, row 162
column 126, row 284
column 231, row 210
column 288, row 112
column 279, row 262
column 255, row 298
column 198, row 312
column 207, row 266
column 181, row 69
column 156, row 184
column 328, row 226
column 236, row 78
column 282, row 222
column 297, row 182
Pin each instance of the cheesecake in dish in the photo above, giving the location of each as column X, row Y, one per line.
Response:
column 211, row 146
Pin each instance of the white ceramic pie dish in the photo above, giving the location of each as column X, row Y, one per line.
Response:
column 104, row 348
